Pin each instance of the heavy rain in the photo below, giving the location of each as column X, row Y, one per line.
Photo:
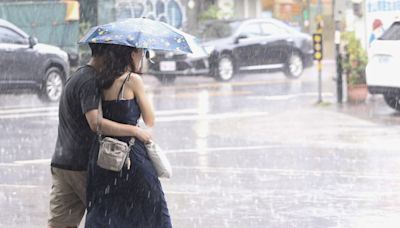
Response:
column 271, row 113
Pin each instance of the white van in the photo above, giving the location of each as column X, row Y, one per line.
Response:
column 383, row 68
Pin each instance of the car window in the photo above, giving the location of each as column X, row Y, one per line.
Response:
column 271, row 29
column 11, row 37
column 393, row 33
column 218, row 30
column 252, row 29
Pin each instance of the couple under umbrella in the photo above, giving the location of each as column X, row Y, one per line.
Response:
column 132, row 197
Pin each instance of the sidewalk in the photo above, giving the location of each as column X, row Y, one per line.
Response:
column 373, row 109
column 318, row 125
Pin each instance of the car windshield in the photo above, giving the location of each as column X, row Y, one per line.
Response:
column 393, row 33
column 218, row 30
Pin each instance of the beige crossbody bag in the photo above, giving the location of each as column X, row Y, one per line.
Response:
column 113, row 153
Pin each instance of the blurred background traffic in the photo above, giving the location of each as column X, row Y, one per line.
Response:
column 241, row 36
column 237, row 36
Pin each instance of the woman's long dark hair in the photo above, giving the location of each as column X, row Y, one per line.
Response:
column 116, row 59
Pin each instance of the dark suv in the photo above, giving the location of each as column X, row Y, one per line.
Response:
column 27, row 64
column 240, row 46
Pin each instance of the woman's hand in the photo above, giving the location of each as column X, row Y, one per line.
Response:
column 143, row 135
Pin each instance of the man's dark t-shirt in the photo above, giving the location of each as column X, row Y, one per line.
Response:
column 74, row 134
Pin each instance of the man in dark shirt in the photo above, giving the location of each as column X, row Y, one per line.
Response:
column 76, row 134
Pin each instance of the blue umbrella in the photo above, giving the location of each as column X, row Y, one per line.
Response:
column 197, row 49
column 140, row 33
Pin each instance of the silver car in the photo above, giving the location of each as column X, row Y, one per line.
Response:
column 27, row 64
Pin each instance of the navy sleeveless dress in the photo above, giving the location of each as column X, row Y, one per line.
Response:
column 129, row 198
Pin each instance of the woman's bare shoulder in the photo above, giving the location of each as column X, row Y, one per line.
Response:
column 121, row 78
column 135, row 80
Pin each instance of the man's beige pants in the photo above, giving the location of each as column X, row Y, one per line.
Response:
column 67, row 198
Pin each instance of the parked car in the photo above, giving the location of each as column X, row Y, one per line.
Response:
column 240, row 45
column 383, row 66
column 27, row 64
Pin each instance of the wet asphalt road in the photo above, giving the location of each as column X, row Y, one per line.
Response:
column 254, row 152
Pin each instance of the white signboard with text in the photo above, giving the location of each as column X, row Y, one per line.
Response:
column 380, row 14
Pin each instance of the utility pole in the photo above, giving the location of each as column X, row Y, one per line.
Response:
column 338, row 6
column 318, row 53
column 308, row 17
column 339, row 68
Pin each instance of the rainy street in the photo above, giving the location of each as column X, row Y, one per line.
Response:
column 255, row 152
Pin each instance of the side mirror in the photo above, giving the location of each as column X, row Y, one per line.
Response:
column 240, row 37
column 32, row 41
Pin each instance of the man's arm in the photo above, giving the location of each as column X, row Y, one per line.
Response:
column 111, row 128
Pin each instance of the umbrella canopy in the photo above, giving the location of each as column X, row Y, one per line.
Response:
column 197, row 49
column 140, row 33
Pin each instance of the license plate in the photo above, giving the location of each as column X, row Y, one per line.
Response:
column 167, row 66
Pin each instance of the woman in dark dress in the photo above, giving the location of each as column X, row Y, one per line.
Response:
column 132, row 197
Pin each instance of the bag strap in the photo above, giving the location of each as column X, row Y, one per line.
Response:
column 100, row 108
column 99, row 118
column 98, row 127
column 121, row 91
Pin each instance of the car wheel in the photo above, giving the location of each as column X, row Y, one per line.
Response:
column 166, row 79
column 225, row 69
column 53, row 85
column 294, row 66
column 393, row 101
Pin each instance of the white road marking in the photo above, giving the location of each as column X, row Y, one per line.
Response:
column 9, row 164
column 183, row 192
column 19, row 186
column 28, row 115
column 221, row 149
column 45, row 111
column 289, row 96
column 31, row 162
column 162, row 115
column 210, row 116
column 54, row 110
column 194, row 150
column 289, row 172
column 176, row 111
column 28, row 110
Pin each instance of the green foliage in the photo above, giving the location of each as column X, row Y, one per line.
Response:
column 212, row 13
column 84, row 50
column 83, row 28
column 355, row 59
